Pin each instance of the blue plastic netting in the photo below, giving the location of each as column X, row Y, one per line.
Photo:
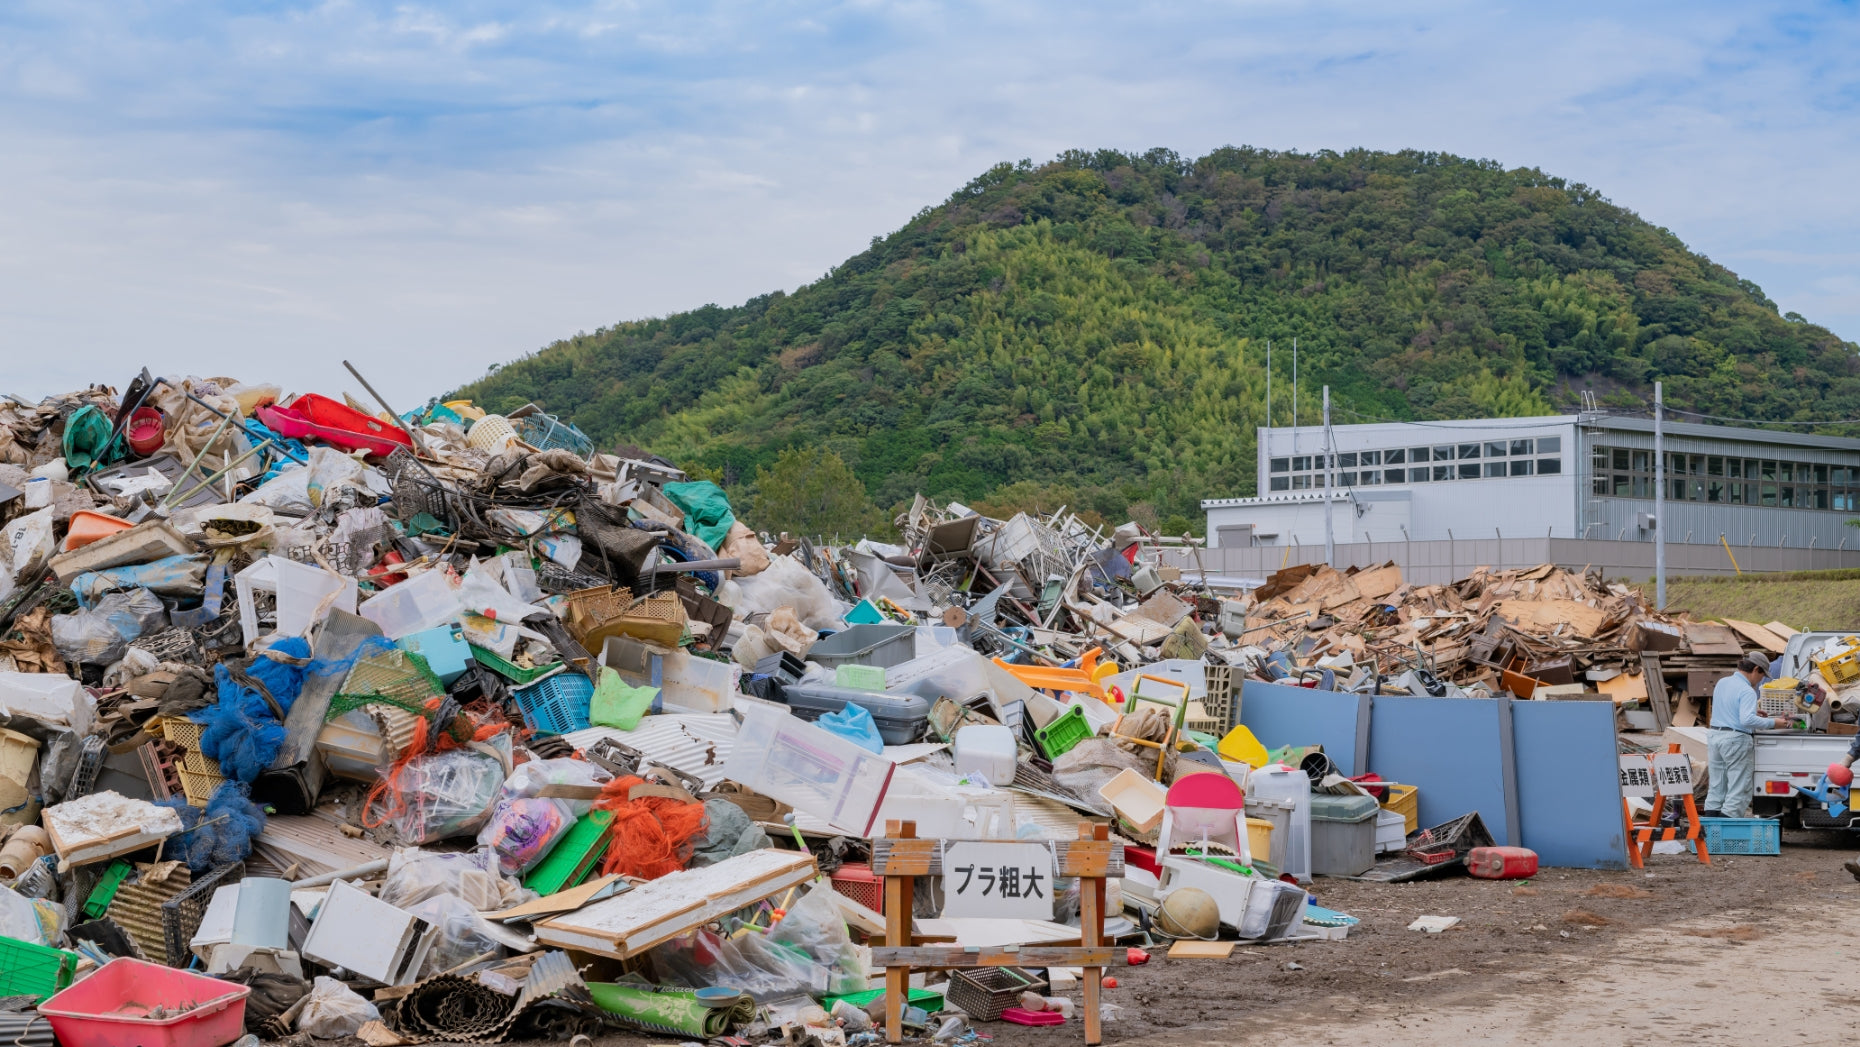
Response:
column 220, row 834
column 244, row 732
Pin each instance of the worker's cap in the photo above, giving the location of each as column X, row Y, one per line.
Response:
column 1758, row 659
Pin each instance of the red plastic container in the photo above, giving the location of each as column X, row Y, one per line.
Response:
column 1502, row 863
column 111, row 1008
column 146, row 434
column 313, row 417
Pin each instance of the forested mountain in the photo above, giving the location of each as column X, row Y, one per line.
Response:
column 1092, row 330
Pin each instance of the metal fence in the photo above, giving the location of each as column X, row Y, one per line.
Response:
column 1434, row 562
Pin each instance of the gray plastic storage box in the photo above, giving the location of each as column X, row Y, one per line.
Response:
column 899, row 716
column 1343, row 834
column 877, row 645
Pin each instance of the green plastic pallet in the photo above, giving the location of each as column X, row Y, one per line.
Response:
column 1066, row 731
column 570, row 861
column 33, row 970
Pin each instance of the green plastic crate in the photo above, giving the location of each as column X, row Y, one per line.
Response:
column 105, row 892
column 34, row 970
column 929, row 1001
column 491, row 660
column 1066, row 731
column 572, row 858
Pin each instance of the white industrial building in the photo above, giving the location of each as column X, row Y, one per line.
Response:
column 1564, row 476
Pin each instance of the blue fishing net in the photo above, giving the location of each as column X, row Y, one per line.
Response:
column 218, row 835
column 244, row 732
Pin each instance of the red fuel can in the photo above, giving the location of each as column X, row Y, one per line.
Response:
column 1502, row 863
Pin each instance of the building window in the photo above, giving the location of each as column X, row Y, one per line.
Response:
column 1347, row 460
column 1495, row 468
column 1495, row 450
column 1372, row 458
column 1520, row 447
column 1549, row 444
column 1301, row 483
column 1347, row 479
column 1281, row 483
column 1469, row 450
column 1522, row 467
column 1546, row 466
column 1443, row 472
column 1443, row 454
column 1418, row 474
column 1394, row 457
column 1469, row 470
column 1301, row 464
column 1281, row 465
column 1369, row 478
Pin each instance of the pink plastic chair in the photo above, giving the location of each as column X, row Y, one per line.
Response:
column 1207, row 805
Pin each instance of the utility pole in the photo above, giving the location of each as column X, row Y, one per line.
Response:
column 1330, row 484
column 1294, row 395
column 1659, row 496
column 1268, row 456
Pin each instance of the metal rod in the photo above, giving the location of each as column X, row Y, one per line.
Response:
column 230, row 466
column 365, row 869
column 225, row 420
column 1330, row 485
column 1659, row 496
column 411, row 431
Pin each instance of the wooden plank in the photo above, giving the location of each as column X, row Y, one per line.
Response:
column 858, row 917
column 653, row 912
column 1091, row 934
column 1712, row 638
column 1006, row 956
column 1089, row 858
column 932, row 860
column 898, row 902
column 907, row 858
column 1625, row 689
column 1188, row 950
column 1578, row 619
column 1377, row 583
column 558, row 903
column 1656, row 691
column 1758, row 635
column 1780, row 629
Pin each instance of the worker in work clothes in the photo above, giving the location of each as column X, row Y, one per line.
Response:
column 1733, row 752
column 1853, row 754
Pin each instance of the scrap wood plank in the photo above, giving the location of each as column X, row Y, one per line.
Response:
column 1780, row 629
column 1188, row 950
column 1579, row 618
column 1002, row 956
column 627, row 925
column 892, row 857
column 1712, row 638
column 1758, row 635
column 1656, row 691
column 561, row 901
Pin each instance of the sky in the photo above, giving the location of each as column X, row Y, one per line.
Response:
column 264, row 189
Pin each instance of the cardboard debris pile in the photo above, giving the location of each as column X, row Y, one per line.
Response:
column 447, row 726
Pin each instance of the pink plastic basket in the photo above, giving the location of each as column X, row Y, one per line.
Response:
column 111, row 1008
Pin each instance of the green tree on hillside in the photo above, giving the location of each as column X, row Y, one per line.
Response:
column 809, row 491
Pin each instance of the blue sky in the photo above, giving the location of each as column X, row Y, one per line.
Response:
column 263, row 189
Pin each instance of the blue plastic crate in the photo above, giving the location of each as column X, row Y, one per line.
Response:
column 556, row 704
column 1742, row 835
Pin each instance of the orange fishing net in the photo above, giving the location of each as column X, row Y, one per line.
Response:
column 652, row 835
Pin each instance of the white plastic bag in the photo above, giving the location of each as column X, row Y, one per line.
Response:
column 333, row 1011
column 28, row 542
column 787, row 583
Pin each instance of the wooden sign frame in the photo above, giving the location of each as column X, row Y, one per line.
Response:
column 900, row 857
column 1641, row 834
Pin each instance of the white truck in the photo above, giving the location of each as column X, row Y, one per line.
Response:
column 1790, row 761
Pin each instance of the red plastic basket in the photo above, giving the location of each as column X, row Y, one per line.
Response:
column 111, row 1008
column 855, row 881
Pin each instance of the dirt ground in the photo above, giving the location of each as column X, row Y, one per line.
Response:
column 1746, row 950
column 1570, row 950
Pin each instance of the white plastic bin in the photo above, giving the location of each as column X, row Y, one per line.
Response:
column 1291, row 784
column 418, row 603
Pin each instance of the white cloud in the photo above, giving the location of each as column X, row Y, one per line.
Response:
column 428, row 190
